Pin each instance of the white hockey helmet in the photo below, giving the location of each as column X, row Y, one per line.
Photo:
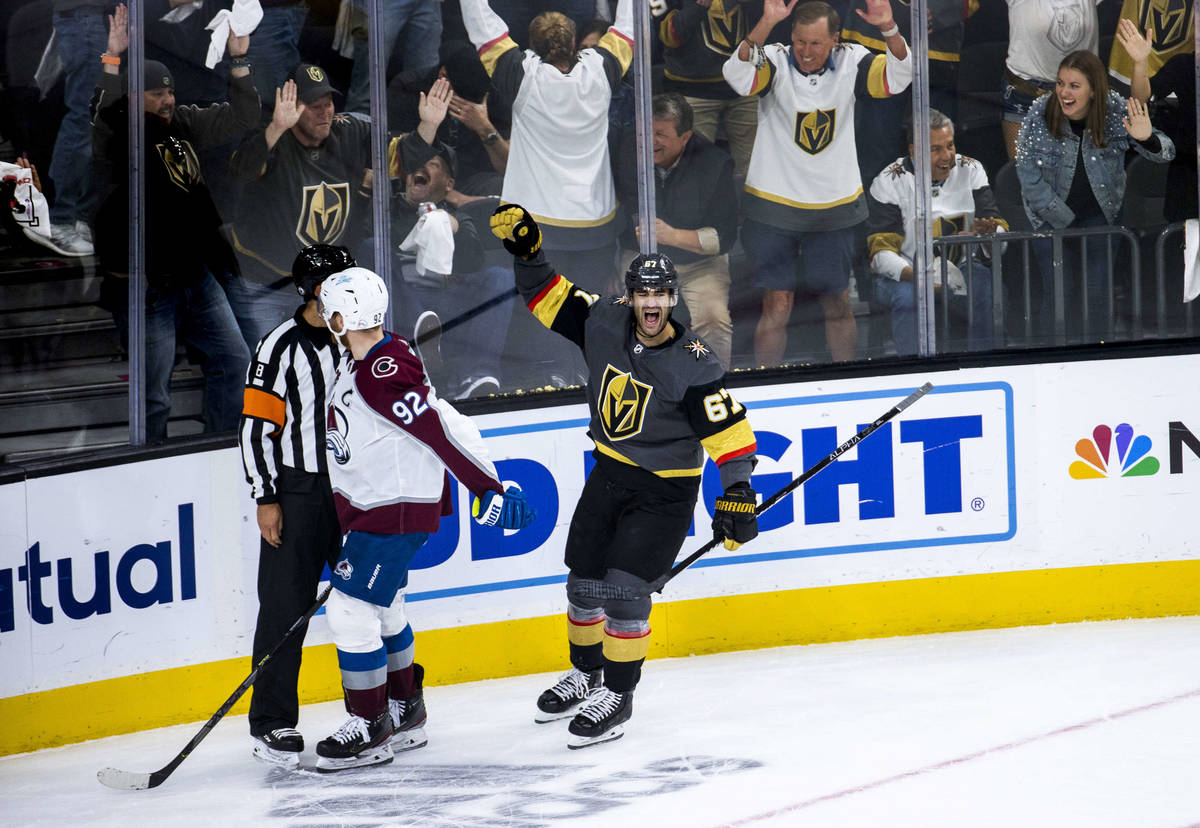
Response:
column 358, row 295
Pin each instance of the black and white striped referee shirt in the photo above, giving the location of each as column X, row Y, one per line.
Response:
column 283, row 413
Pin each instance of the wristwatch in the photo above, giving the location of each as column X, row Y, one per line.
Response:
column 491, row 138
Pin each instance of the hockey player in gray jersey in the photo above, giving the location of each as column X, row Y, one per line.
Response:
column 658, row 401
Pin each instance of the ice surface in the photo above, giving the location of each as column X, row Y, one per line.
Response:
column 1092, row 724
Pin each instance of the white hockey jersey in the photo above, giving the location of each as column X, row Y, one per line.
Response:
column 390, row 441
column 956, row 202
column 804, row 168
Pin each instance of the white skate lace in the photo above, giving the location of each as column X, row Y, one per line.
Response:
column 284, row 732
column 355, row 726
column 600, row 703
column 396, row 706
column 572, row 685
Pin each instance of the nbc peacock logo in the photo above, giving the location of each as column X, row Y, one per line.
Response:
column 1133, row 458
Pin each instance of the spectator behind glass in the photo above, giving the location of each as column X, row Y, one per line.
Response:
column 80, row 35
column 519, row 14
column 963, row 204
column 1040, row 34
column 881, row 122
column 186, row 256
column 804, row 188
column 462, row 300
column 308, row 181
column 1169, row 30
column 418, row 21
column 275, row 44
column 1174, row 87
column 696, row 223
column 698, row 36
column 477, row 124
column 558, row 164
column 1071, row 165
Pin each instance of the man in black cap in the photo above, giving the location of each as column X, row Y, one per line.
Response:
column 469, row 302
column 308, row 181
column 186, row 256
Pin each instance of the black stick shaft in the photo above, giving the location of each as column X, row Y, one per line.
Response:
column 157, row 777
column 799, row 481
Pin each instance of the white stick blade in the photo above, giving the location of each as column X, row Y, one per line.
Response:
column 123, row 780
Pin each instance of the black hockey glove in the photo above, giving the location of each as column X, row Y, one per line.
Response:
column 734, row 520
column 512, row 224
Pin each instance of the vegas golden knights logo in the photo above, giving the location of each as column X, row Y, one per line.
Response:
column 1171, row 21
column 622, row 404
column 179, row 159
column 814, row 130
column 950, row 226
column 724, row 27
column 324, row 214
column 315, row 74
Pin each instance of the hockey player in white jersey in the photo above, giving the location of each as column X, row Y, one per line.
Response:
column 391, row 441
column 963, row 204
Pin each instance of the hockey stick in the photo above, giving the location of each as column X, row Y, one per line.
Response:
column 127, row 781
column 592, row 588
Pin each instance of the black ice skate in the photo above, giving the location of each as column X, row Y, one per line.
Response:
column 357, row 743
column 601, row 719
column 563, row 700
column 281, row 746
column 408, row 717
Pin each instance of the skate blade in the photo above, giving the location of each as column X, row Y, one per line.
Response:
column 577, row 742
column 408, row 740
column 381, row 755
column 279, row 758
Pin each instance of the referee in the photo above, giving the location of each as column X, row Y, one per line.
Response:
column 282, row 438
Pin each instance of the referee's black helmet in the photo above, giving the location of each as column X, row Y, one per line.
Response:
column 315, row 262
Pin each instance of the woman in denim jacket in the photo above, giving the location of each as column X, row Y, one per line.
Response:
column 1069, row 178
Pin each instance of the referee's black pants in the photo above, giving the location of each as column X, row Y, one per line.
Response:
column 288, row 577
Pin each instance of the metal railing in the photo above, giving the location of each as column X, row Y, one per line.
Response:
column 1068, row 316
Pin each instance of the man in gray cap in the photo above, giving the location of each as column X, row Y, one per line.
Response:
column 186, row 256
column 307, row 178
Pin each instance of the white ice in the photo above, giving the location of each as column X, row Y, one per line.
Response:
column 1093, row 724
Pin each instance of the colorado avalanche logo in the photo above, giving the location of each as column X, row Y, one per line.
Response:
column 343, row 569
column 335, row 440
column 384, row 367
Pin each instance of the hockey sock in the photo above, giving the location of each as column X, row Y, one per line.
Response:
column 626, row 643
column 402, row 681
column 368, row 702
column 585, row 635
column 364, row 677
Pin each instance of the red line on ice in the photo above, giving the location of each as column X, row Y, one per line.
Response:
column 969, row 757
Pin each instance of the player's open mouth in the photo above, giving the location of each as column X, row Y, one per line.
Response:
column 420, row 179
column 651, row 319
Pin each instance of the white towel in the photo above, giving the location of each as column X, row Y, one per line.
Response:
column 1191, row 254
column 242, row 19
column 29, row 208
column 343, row 40
column 958, row 282
column 433, row 240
